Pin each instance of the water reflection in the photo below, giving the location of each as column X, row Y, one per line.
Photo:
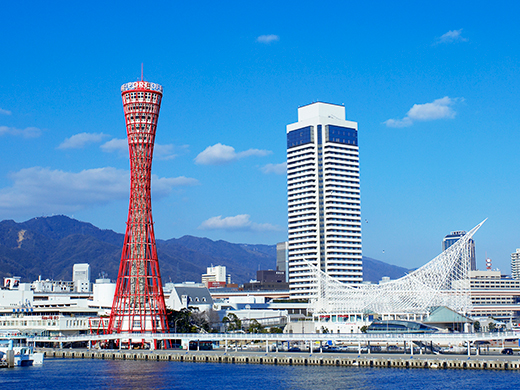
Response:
column 140, row 375
column 113, row 374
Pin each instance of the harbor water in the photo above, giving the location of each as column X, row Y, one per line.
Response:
column 113, row 374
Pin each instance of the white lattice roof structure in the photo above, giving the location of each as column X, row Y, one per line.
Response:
column 444, row 281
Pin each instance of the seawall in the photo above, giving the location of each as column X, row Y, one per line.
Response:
column 418, row 361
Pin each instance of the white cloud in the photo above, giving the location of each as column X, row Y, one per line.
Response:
column 240, row 222
column 405, row 122
column 216, row 154
column 5, row 112
column 161, row 152
column 219, row 154
column 115, row 145
column 438, row 109
column 162, row 185
column 164, row 152
column 253, row 152
column 268, row 38
column 39, row 190
column 78, row 141
column 452, row 36
column 277, row 169
column 28, row 132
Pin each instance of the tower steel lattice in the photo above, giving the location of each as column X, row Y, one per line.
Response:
column 138, row 304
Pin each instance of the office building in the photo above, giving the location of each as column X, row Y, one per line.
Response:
column 324, row 215
column 515, row 264
column 81, row 277
column 282, row 263
column 216, row 277
column 494, row 295
column 268, row 280
column 452, row 238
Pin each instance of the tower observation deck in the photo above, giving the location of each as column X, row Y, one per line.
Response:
column 138, row 304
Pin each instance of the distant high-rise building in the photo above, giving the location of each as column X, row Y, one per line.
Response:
column 281, row 259
column 268, row 280
column 216, row 276
column 81, row 272
column 323, row 197
column 515, row 264
column 453, row 237
column 81, row 277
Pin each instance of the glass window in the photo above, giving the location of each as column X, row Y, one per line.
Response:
column 341, row 135
column 300, row 137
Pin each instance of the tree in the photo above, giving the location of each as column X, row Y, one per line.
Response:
column 232, row 322
column 255, row 327
column 200, row 321
column 364, row 329
column 189, row 320
column 476, row 326
column 179, row 321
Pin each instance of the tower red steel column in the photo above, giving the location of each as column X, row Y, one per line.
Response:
column 139, row 300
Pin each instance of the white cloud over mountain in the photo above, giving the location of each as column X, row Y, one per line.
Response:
column 40, row 190
column 239, row 222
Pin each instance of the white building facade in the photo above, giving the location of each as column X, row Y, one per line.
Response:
column 81, row 277
column 324, row 212
column 515, row 264
column 216, row 274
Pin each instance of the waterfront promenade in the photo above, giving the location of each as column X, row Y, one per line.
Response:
column 422, row 349
column 360, row 339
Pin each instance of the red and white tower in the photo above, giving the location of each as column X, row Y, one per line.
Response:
column 139, row 300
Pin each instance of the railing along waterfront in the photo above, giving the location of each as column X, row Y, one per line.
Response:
column 335, row 337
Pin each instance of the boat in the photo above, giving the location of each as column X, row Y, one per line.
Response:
column 14, row 346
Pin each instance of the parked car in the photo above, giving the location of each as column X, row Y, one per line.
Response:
column 393, row 348
column 507, row 351
column 330, row 349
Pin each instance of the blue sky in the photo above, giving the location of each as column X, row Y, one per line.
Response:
column 434, row 88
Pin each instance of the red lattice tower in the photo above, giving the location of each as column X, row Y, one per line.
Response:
column 139, row 300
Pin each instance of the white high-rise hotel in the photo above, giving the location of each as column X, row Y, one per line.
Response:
column 323, row 197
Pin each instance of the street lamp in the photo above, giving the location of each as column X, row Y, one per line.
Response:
column 178, row 319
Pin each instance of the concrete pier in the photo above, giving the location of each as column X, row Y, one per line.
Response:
column 376, row 361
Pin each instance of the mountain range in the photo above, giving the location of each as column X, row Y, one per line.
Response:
column 50, row 246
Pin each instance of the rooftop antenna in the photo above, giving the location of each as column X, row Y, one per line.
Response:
column 488, row 263
column 141, row 71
